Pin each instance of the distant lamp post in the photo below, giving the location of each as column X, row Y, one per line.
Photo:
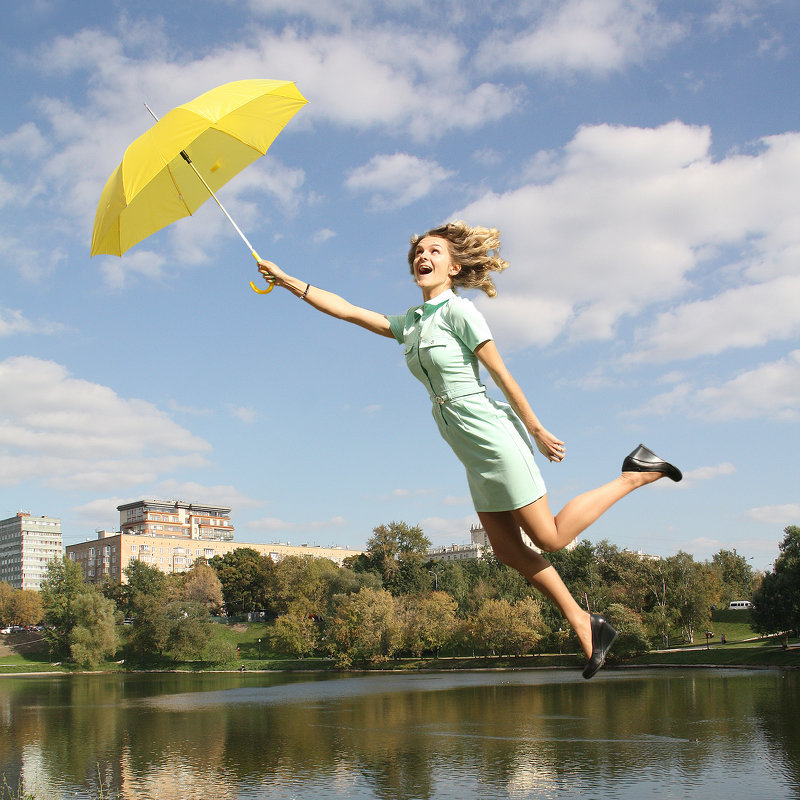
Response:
column 435, row 579
column 259, row 649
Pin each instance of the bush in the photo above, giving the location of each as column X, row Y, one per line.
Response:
column 632, row 639
column 219, row 650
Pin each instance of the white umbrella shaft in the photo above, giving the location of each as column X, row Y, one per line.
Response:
column 188, row 160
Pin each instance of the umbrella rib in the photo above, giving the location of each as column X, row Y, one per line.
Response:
column 180, row 193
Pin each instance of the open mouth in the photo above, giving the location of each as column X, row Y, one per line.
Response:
column 423, row 269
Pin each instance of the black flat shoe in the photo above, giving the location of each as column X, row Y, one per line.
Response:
column 644, row 460
column 603, row 636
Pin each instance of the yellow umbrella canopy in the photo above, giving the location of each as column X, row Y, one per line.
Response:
column 220, row 132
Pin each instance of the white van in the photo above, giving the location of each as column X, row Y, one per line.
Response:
column 740, row 604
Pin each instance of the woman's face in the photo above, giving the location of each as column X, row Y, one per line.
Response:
column 433, row 266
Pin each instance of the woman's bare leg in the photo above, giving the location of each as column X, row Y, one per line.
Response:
column 553, row 533
column 505, row 536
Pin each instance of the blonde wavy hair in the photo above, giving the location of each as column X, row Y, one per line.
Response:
column 475, row 249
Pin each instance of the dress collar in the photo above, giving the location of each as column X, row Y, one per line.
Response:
column 429, row 306
column 440, row 298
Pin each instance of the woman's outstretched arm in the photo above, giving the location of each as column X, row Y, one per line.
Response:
column 548, row 445
column 327, row 302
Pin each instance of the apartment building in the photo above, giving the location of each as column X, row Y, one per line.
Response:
column 106, row 557
column 176, row 519
column 26, row 545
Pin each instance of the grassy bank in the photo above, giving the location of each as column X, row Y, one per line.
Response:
column 741, row 650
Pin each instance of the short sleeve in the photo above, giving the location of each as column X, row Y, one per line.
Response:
column 468, row 323
column 396, row 325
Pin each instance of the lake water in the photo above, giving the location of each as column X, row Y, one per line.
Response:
column 528, row 734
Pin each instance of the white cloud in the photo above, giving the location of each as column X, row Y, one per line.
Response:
column 244, row 414
column 443, row 531
column 13, row 321
column 786, row 514
column 194, row 410
column 397, row 180
column 323, row 235
column 381, row 77
column 582, row 36
column 117, row 272
column 633, row 219
column 463, row 500
column 691, row 477
column 746, row 316
column 74, row 434
column 770, row 391
column 276, row 524
column 102, row 512
column 32, row 262
column 26, row 143
column 221, row 494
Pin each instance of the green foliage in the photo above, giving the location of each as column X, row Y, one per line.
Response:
column 60, row 589
column 19, row 606
column 777, row 600
column 248, row 581
column 499, row 627
column 82, row 621
column 297, row 632
column 218, row 650
column 190, row 628
column 734, row 577
column 94, row 636
column 397, row 553
column 632, row 639
column 428, row 621
column 363, row 627
column 201, row 585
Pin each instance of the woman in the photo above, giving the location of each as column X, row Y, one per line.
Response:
column 444, row 339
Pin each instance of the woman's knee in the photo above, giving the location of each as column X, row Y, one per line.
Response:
column 547, row 544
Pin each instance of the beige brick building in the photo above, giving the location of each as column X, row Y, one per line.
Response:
column 106, row 557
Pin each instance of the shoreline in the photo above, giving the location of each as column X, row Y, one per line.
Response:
column 790, row 662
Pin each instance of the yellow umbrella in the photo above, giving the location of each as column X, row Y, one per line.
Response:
column 173, row 168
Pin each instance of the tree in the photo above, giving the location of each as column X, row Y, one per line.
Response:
column 490, row 627
column 27, row 605
column 94, row 636
column 363, row 627
column 151, row 628
column 690, row 592
column 61, row 587
column 777, row 600
column 661, row 616
column 190, row 628
column 296, row 632
column 248, row 581
column 429, row 621
column 398, row 552
column 734, row 574
column 145, row 579
column 7, row 593
column 632, row 639
column 202, row 586
column 528, row 627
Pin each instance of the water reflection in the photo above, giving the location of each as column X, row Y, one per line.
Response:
column 526, row 734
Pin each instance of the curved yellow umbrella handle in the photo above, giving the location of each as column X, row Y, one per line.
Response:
column 270, row 285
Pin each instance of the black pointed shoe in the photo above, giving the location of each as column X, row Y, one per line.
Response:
column 603, row 636
column 644, row 460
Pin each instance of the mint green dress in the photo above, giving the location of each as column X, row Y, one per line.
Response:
column 439, row 339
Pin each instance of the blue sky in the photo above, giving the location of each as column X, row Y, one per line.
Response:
column 641, row 158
